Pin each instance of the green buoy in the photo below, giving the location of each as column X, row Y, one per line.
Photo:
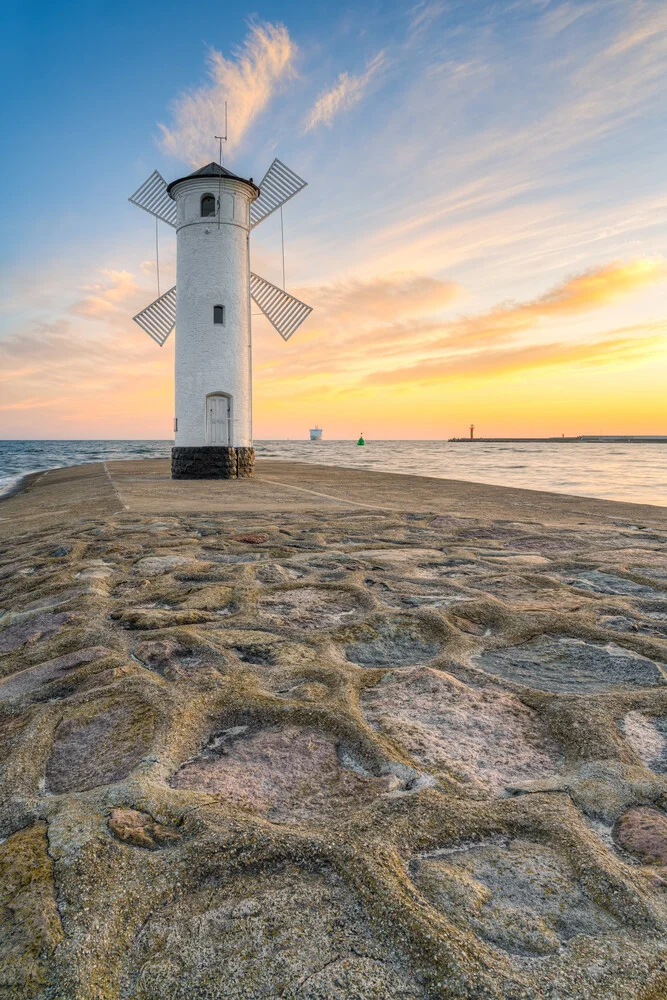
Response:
column 361, row 439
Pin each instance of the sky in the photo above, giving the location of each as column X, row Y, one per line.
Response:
column 483, row 237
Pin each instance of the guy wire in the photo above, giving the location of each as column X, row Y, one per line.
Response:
column 157, row 257
column 282, row 239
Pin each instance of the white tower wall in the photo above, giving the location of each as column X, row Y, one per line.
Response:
column 213, row 268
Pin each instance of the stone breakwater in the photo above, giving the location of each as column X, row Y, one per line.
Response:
column 330, row 735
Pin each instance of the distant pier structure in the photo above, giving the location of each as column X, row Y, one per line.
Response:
column 579, row 439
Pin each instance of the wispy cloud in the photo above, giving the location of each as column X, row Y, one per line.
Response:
column 393, row 296
column 608, row 352
column 346, row 92
column 391, row 329
column 247, row 82
column 88, row 368
column 107, row 296
column 536, row 115
column 581, row 293
column 423, row 14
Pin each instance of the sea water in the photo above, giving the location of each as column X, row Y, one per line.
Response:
column 632, row 472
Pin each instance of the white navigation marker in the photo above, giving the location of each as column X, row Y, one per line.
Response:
column 213, row 211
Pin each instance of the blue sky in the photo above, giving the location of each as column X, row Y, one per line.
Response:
column 467, row 162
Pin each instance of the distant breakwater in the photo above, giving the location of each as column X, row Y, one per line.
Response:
column 583, row 438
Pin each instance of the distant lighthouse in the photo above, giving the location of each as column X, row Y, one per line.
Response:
column 213, row 211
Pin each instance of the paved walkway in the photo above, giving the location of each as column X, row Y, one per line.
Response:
column 145, row 487
column 373, row 716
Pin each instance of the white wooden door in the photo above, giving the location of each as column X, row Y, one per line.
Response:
column 218, row 414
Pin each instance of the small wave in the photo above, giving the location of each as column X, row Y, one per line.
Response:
column 8, row 483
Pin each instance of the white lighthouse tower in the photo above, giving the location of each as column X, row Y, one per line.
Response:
column 213, row 211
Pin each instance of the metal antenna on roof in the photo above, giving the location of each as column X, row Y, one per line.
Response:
column 221, row 139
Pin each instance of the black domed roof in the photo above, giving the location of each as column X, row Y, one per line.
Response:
column 212, row 170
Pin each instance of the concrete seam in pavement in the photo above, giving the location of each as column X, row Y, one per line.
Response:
column 114, row 487
column 326, row 496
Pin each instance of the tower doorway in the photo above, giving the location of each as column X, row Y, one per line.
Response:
column 219, row 420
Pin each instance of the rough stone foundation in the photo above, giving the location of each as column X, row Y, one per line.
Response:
column 245, row 462
column 212, row 463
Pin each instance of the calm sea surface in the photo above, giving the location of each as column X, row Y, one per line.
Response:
column 632, row 472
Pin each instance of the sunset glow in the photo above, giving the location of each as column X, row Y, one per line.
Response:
column 481, row 240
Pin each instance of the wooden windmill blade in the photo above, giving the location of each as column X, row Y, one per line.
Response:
column 284, row 311
column 159, row 318
column 278, row 185
column 153, row 198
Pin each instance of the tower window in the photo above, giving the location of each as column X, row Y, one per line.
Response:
column 207, row 205
column 218, row 314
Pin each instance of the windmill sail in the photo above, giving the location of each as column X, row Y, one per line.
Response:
column 159, row 318
column 278, row 186
column 283, row 310
column 152, row 197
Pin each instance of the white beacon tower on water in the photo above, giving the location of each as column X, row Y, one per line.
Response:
column 213, row 212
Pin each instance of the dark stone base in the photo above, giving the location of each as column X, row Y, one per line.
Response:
column 212, row 463
column 245, row 462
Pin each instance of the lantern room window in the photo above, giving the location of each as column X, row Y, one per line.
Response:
column 219, row 314
column 207, row 205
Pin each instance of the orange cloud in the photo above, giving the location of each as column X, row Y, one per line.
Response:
column 355, row 322
column 602, row 285
column 507, row 361
column 119, row 289
column 578, row 294
column 94, row 370
column 392, row 297
column 363, row 330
